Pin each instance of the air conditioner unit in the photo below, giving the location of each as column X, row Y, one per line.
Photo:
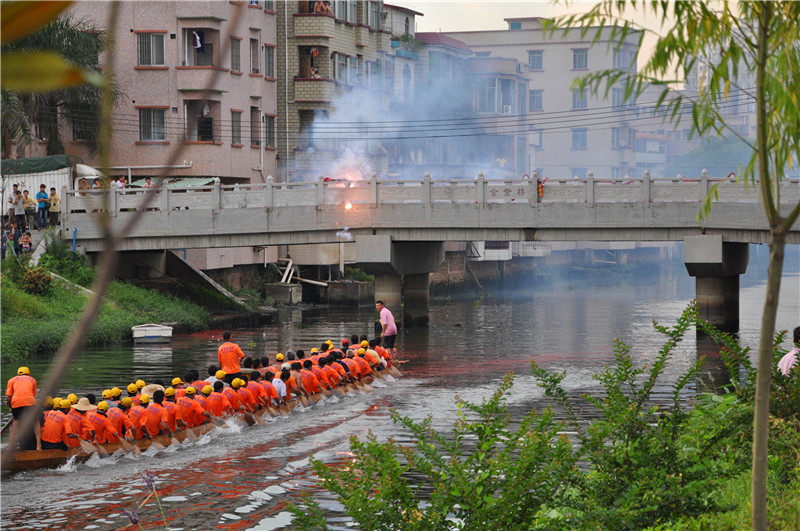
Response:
column 506, row 109
column 384, row 16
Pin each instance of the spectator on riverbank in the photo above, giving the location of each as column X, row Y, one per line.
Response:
column 790, row 359
column 55, row 208
column 42, row 205
column 30, row 210
column 25, row 243
column 12, row 237
column 19, row 210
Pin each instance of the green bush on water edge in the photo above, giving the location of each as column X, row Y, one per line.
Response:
column 36, row 324
column 638, row 464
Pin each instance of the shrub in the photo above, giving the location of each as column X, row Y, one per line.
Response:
column 73, row 267
column 485, row 476
column 36, row 281
column 14, row 266
column 358, row 275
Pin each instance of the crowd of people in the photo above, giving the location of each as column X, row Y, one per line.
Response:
column 238, row 384
column 27, row 213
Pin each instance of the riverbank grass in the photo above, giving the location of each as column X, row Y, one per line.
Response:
column 37, row 324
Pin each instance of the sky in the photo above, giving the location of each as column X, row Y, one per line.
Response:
column 476, row 15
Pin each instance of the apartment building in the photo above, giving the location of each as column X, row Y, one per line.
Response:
column 569, row 131
column 323, row 58
column 195, row 75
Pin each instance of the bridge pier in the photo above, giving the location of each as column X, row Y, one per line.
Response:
column 716, row 266
column 388, row 288
column 417, row 296
column 389, row 260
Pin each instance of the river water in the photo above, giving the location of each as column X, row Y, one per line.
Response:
column 242, row 478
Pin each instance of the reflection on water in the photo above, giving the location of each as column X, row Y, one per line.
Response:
column 242, row 478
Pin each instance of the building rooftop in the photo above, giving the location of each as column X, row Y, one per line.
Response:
column 440, row 39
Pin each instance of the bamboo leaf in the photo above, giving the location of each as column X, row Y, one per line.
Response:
column 40, row 72
column 18, row 19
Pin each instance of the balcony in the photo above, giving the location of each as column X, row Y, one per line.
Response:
column 314, row 26
column 314, row 90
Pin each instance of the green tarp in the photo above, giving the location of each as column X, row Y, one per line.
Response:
column 39, row 164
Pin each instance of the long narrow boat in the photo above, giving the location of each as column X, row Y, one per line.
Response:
column 34, row 459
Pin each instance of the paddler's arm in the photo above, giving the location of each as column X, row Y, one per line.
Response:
column 165, row 426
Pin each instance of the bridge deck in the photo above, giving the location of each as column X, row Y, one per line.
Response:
column 428, row 210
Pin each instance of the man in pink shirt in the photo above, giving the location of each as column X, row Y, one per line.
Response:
column 388, row 328
column 790, row 359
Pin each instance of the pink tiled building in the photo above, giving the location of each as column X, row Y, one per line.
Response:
column 166, row 54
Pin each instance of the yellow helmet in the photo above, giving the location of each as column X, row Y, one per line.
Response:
column 102, row 406
column 236, row 383
column 56, row 403
column 207, row 390
column 144, row 399
column 115, row 392
column 48, row 401
column 176, row 381
column 140, row 384
column 132, row 388
column 127, row 402
column 106, row 394
column 73, row 398
column 220, row 374
column 169, row 391
column 191, row 390
column 23, row 370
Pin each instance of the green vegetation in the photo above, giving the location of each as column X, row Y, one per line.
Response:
column 36, row 320
column 358, row 275
column 638, row 465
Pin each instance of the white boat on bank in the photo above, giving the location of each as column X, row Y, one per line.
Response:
column 152, row 333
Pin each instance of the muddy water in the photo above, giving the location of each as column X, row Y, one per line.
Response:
column 242, row 478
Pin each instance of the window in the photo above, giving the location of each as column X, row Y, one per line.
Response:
column 535, row 100
column 199, row 46
column 254, row 60
column 236, row 127
column 255, row 126
column 578, row 99
column 483, row 54
column 617, row 98
column 352, row 70
column 580, row 59
column 352, row 11
column 536, row 138
column 374, row 16
column 616, row 137
column 578, row 173
column 536, row 59
column 340, row 67
column 487, row 95
column 150, row 48
column 80, row 130
column 515, row 25
column 151, row 125
column 407, row 26
column 236, row 59
column 579, row 138
column 270, row 131
column 269, row 5
column 269, row 61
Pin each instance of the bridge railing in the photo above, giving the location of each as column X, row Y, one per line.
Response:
column 427, row 191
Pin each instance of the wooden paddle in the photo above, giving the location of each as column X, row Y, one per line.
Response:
column 304, row 400
column 128, row 447
column 88, row 447
column 248, row 418
column 272, row 411
column 216, row 420
column 258, row 419
column 366, row 387
column 395, row 371
column 157, row 445
column 174, row 441
column 316, row 397
column 326, row 392
column 191, row 435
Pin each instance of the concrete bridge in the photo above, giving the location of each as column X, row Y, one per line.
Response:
column 399, row 227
